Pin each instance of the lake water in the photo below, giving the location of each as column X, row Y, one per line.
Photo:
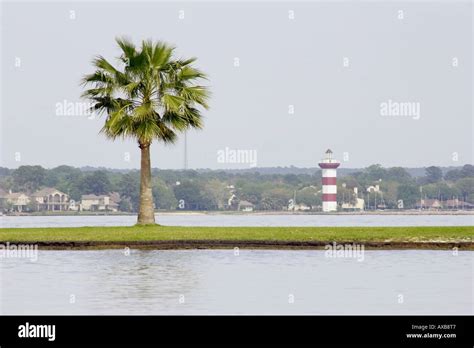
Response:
column 242, row 220
column 252, row 282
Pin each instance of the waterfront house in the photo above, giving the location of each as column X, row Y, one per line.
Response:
column 50, row 199
column 18, row 200
column 98, row 203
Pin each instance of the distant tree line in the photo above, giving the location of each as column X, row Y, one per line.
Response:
column 221, row 190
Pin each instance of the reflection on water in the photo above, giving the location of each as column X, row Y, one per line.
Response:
column 220, row 282
column 242, row 220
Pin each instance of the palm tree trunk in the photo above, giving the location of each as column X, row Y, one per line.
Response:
column 146, row 212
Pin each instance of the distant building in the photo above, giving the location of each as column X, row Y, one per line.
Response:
column 245, row 206
column 50, row 199
column 98, row 203
column 435, row 204
column 457, row 204
column 73, row 205
column 115, row 198
column 19, row 201
column 301, row 207
column 431, row 204
column 359, row 203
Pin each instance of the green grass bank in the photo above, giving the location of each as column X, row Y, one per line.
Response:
column 181, row 237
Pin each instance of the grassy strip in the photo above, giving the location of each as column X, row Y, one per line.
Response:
column 164, row 233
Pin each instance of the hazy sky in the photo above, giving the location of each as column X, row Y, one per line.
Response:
column 343, row 68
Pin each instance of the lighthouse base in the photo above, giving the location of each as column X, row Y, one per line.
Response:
column 329, row 206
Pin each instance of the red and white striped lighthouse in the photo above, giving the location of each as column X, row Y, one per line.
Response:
column 329, row 165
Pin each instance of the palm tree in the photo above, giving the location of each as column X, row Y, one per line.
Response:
column 151, row 96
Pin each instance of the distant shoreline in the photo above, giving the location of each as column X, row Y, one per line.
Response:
column 257, row 213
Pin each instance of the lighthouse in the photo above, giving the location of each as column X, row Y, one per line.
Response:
column 329, row 165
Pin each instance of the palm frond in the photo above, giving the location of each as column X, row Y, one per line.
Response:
column 127, row 46
column 153, row 97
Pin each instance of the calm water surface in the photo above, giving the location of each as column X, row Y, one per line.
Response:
column 252, row 282
column 242, row 220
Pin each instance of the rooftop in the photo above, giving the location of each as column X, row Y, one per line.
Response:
column 46, row 192
column 93, row 197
